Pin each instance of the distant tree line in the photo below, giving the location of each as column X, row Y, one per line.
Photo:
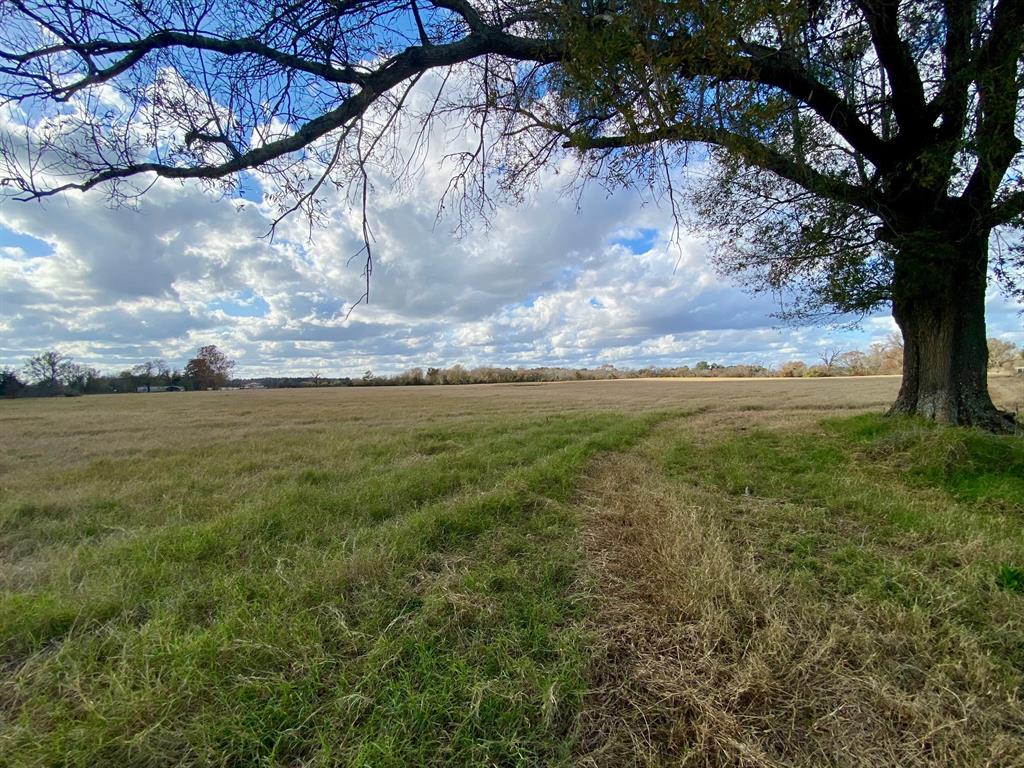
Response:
column 54, row 373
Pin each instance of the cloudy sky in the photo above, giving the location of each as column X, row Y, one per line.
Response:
column 555, row 280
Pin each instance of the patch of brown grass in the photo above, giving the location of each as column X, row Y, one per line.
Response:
column 707, row 656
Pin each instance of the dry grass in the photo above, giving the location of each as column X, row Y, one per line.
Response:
column 739, row 629
column 389, row 577
column 54, row 436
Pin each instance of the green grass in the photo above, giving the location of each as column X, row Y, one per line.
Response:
column 397, row 578
column 774, row 592
column 400, row 598
column 888, row 511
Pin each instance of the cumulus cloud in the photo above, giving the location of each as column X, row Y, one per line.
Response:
column 558, row 279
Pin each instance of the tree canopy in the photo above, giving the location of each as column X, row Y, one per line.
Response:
column 210, row 368
column 50, row 368
column 853, row 153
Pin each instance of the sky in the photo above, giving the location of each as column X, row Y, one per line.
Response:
column 558, row 279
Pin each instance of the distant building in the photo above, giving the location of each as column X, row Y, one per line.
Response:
column 151, row 388
column 253, row 385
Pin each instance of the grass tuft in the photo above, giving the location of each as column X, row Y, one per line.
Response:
column 1011, row 578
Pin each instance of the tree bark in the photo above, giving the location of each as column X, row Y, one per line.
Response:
column 939, row 305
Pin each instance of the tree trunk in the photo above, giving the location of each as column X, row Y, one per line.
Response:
column 939, row 305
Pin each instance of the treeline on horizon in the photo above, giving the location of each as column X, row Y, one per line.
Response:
column 52, row 373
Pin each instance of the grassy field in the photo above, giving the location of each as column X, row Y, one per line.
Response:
column 749, row 573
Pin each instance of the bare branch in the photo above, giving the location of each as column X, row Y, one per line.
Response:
column 753, row 152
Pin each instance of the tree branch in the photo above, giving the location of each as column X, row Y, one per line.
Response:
column 952, row 100
column 997, row 143
column 136, row 50
column 1006, row 210
column 753, row 152
column 894, row 54
column 772, row 67
column 465, row 11
column 411, row 62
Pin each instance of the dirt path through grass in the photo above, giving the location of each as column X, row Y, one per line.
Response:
column 805, row 596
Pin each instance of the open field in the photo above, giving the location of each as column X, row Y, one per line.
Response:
column 749, row 573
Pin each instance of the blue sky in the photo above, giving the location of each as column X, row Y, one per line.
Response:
column 558, row 279
column 545, row 283
column 564, row 277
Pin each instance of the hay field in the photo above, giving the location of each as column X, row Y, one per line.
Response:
column 646, row 572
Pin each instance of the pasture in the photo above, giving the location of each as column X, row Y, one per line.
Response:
column 748, row 573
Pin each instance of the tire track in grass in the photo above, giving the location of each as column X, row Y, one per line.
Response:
column 737, row 629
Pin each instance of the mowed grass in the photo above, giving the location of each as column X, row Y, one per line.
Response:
column 846, row 593
column 351, row 592
column 415, row 576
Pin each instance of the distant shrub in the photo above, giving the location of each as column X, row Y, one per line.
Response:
column 793, row 368
column 10, row 384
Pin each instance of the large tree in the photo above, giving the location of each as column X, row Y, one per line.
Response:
column 210, row 368
column 854, row 154
column 50, row 369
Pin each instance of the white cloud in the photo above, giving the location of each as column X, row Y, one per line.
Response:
column 554, row 280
